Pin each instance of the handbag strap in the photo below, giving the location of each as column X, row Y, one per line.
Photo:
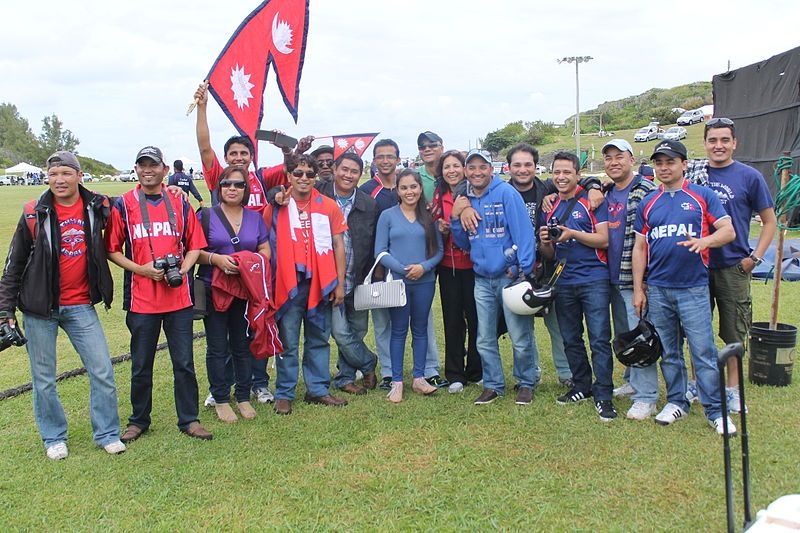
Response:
column 375, row 264
column 227, row 225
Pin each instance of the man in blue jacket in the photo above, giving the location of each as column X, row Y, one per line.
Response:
column 184, row 181
column 504, row 223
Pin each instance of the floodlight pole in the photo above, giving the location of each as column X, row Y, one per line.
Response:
column 577, row 60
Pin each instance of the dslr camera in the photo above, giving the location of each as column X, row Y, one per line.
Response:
column 553, row 231
column 10, row 336
column 171, row 265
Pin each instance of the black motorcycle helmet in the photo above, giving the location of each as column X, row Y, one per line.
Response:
column 640, row 347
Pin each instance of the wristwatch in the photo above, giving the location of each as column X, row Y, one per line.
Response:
column 757, row 260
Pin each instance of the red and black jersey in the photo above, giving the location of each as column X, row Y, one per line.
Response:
column 126, row 231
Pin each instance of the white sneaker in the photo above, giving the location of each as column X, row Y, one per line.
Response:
column 264, row 395
column 210, row 401
column 641, row 411
column 691, row 391
column 359, row 375
column 734, row 402
column 455, row 387
column 57, row 451
column 115, row 447
column 625, row 390
column 669, row 414
column 717, row 425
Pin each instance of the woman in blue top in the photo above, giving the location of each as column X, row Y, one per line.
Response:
column 227, row 331
column 413, row 248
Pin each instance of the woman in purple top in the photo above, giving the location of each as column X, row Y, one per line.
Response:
column 229, row 228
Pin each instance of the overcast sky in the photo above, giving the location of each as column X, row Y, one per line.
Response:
column 120, row 74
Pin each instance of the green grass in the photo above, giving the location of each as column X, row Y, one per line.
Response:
column 429, row 463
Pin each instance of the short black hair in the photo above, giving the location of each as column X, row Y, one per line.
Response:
column 302, row 158
column 718, row 123
column 352, row 156
column 240, row 139
column 178, row 165
column 568, row 156
column 386, row 142
column 523, row 147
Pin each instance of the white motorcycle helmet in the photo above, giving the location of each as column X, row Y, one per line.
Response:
column 523, row 299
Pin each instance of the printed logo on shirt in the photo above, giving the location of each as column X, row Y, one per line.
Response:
column 254, row 200
column 688, row 206
column 672, row 230
column 724, row 192
column 577, row 215
column 157, row 229
column 614, row 209
column 73, row 238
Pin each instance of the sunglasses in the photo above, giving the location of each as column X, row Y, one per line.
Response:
column 226, row 184
column 428, row 146
column 715, row 121
column 308, row 174
column 325, row 162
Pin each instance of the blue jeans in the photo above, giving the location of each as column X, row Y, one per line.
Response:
column 382, row 331
column 690, row 309
column 316, row 350
column 643, row 380
column 416, row 312
column 557, row 344
column 81, row 324
column 489, row 302
column 227, row 340
column 590, row 302
column 349, row 327
column 145, row 329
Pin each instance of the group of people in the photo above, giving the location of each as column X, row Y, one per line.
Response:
column 286, row 246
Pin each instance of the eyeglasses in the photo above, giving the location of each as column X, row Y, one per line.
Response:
column 225, row 184
column 722, row 120
column 325, row 162
column 308, row 174
column 386, row 157
column 430, row 146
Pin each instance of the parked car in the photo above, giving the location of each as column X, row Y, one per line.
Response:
column 6, row 179
column 88, row 178
column 127, row 175
column 675, row 133
column 648, row 133
column 541, row 169
column 691, row 117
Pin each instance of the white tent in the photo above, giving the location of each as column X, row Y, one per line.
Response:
column 23, row 168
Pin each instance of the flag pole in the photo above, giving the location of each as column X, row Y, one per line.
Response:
column 196, row 100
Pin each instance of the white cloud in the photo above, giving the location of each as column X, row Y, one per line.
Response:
column 120, row 75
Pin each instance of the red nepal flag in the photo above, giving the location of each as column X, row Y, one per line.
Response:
column 275, row 32
column 357, row 142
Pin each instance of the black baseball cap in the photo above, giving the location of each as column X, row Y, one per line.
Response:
column 428, row 135
column 324, row 149
column 151, row 152
column 670, row 148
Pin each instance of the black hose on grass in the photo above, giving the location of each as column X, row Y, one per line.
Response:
column 16, row 391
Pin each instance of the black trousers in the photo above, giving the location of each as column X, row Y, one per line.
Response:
column 145, row 329
column 456, row 290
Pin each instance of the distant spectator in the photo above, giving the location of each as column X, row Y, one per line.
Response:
column 184, row 181
column 647, row 171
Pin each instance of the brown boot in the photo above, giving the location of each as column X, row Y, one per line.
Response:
column 197, row 431
column 352, row 388
column 225, row 413
column 396, row 392
column 370, row 380
column 246, row 410
column 421, row 386
column 283, row 407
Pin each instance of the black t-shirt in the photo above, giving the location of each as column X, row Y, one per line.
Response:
column 533, row 199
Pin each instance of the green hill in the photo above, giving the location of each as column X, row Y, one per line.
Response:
column 654, row 104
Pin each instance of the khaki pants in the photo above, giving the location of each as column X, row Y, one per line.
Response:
column 730, row 292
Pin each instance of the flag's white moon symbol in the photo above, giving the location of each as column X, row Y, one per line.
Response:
column 360, row 144
column 281, row 35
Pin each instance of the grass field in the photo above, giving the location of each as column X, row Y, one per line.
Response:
column 429, row 463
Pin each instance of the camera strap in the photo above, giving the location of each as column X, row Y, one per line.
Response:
column 173, row 223
column 570, row 207
column 226, row 223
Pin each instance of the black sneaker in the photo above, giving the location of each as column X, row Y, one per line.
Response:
column 487, row 396
column 567, row 382
column 606, row 410
column 437, row 381
column 573, row 396
column 386, row 383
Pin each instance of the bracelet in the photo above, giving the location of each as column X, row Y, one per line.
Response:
column 210, row 255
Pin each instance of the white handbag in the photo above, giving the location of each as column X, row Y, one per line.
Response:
column 381, row 294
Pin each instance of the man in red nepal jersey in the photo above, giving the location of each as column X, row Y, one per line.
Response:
column 156, row 238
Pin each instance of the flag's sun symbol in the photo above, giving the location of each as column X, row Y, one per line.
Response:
column 342, row 143
column 240, row 85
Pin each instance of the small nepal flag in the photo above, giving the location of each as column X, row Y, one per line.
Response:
column 274, row 33
column 357, row 142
